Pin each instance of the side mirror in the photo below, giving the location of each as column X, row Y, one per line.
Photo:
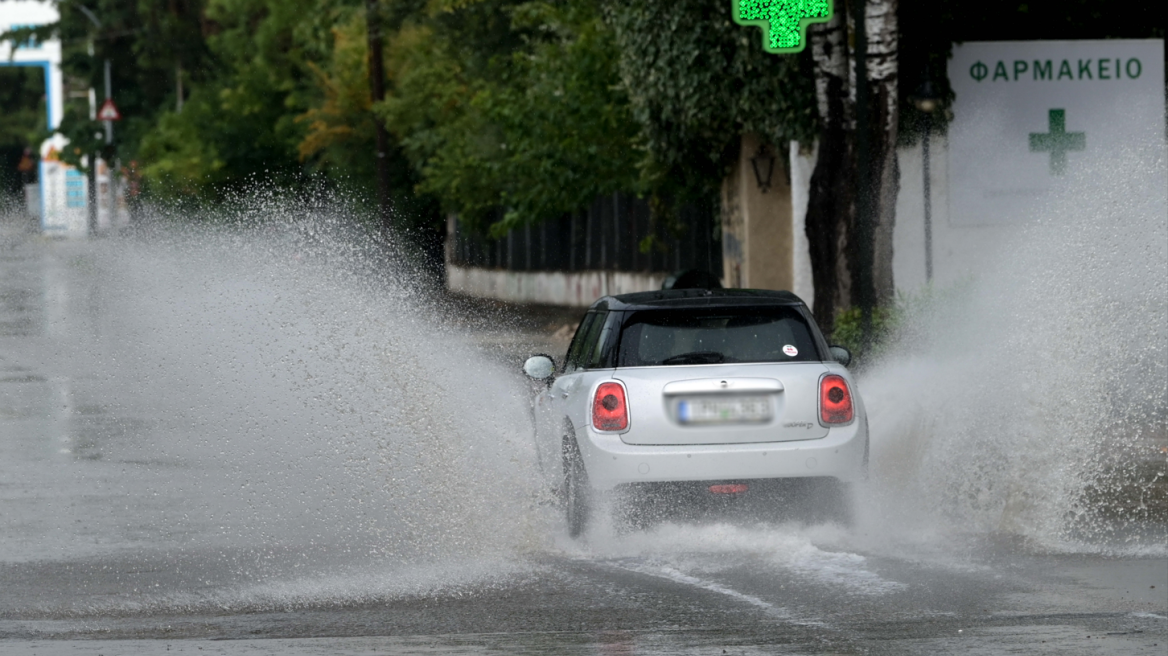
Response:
column 841, row 355
column 539, row 367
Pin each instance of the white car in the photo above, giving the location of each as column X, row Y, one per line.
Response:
column 700, row 399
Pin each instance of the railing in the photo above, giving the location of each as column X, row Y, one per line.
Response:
column 607, row 236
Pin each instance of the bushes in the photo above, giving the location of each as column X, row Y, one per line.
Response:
column 909, row 320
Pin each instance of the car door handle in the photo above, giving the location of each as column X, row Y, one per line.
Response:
column 564, row 395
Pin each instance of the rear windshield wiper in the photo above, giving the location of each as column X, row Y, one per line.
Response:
column 696, row 357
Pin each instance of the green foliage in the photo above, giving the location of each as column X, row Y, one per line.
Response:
column 909, row 321
column 522, row 116
column 506, row 111
column 238, row 124
column 22, row 104
column 177, row 162
column 229, row 133
column 697, row 81
column 144, row 42
column 849, row 331
column 339, row 124
column 85, row 136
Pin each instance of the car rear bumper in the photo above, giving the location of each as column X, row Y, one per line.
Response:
column 610, row 462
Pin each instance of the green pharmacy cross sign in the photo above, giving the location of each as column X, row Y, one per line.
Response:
column 783, row 22
column 1058, row 141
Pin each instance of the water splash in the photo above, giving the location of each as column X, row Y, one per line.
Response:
column 1032, row 399
column 278, row 389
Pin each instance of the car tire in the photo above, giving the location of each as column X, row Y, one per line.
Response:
column 843, row 511
column 833, row 501
column 577, row 494
column 817, row 501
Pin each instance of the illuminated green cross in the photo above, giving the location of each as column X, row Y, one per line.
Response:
column 783, row 22
column 1058, row 141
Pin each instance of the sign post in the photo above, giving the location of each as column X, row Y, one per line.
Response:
column 108, row 114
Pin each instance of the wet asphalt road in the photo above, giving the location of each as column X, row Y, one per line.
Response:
column 146, row 508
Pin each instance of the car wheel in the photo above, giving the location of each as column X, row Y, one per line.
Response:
column 817, row 500
column 833, row 502
column 576, row 492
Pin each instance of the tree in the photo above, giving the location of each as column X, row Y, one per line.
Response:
column 697, row 81
column 852, row 206
column 510, row 111
column 22, row 104
column 237, row 124
column 340, row 132
column 376, row 67
column 831, row 203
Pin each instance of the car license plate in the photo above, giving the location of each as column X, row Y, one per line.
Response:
column 746, row 409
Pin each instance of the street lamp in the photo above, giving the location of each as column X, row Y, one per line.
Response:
column 927, row 102
column 763, row 164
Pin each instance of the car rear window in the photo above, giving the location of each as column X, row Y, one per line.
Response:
column 714, row 336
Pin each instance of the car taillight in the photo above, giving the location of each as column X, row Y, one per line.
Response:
column 609, row 410
column 835, row 400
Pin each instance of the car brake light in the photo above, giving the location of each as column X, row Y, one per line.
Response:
column 835, row 400
column 728, row 488
column 609, row 411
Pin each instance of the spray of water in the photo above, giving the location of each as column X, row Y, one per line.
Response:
column 281, row 402
column 292, row 398
column 1031, row 399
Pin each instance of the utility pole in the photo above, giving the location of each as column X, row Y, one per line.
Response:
column 109, row 151
column 927, row 186
column 373, row 26
column 91, row 177
column 109, row 125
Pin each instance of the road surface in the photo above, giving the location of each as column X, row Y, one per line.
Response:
column 221, row 445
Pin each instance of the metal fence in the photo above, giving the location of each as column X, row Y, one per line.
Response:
column 608, row 236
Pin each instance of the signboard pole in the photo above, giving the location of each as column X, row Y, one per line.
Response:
column 111, row 189
column 926, row 183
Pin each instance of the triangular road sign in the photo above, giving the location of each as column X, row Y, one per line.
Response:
column 109, row 111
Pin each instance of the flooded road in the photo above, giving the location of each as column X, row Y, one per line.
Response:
column 259, row 442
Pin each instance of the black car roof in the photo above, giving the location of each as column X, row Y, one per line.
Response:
column 696, row 298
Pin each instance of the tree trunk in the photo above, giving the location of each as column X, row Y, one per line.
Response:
column 178, row 87
column 831, row 202
column 851, row 210
column 882, row 65
column 373, row 25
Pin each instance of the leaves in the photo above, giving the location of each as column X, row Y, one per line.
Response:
column 519, row 124
column 24, row 122
column 697, row 81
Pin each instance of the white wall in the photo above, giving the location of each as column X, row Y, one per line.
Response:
column 578, row 289
column 957, row 250
column 802, row 166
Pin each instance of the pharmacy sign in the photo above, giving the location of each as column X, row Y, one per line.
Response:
column 1058, row 141
column 1031, row 117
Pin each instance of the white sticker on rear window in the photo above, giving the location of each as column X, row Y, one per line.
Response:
column 790, row 350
